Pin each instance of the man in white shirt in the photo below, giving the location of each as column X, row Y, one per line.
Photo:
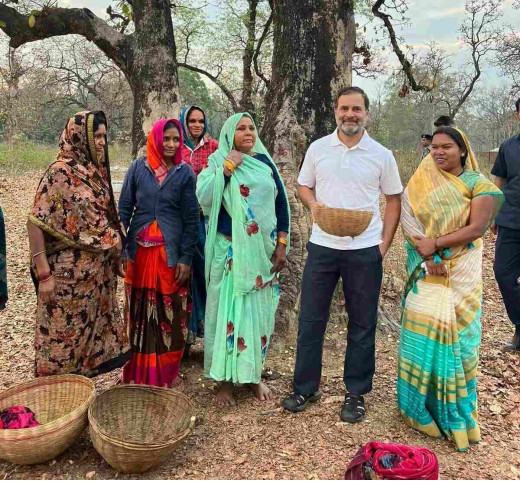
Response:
column 345, row 169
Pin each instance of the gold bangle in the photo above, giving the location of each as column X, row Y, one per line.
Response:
column 229, row 165
column 282, row 240
column 234, row 164
column 38, row 253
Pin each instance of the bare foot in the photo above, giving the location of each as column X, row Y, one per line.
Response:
column 261, row 391
column 224, row 396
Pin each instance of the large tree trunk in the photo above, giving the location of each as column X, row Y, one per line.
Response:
column 246, row 102
column 146, row 57
column 313, row 46
column 152, row 72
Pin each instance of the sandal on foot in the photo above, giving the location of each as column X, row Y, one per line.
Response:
column 296, row 403
column 353, row 409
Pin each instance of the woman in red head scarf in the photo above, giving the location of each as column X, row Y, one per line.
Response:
column 159, row 208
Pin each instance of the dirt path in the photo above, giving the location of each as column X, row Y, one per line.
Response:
column 257, row 440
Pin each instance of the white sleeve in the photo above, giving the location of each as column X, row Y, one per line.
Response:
column 390, row 180
column 307, row 176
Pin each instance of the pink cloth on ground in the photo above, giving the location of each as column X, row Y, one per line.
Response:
column 17, row 417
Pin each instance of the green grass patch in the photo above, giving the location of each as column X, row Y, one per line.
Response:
column 28, row 157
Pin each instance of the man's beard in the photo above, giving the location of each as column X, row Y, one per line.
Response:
column 352, row 129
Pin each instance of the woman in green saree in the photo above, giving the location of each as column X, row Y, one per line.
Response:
column 243, row 196
column 447, row 207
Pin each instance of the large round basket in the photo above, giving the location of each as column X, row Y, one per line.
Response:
column 59, row 404
column 136, row 427
column 342, row 222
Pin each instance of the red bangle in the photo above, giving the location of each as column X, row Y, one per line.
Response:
column 45, row 277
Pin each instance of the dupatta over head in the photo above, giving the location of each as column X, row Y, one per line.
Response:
column 188, row 140
column 155, row 149
column 74, row 201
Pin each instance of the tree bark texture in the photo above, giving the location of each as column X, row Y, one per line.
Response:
column 153, row 72
column 246, row 102
column 146, row 57
column 313, row 47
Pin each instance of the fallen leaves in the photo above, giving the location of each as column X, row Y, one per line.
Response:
column 259, row 440
column 333, row 399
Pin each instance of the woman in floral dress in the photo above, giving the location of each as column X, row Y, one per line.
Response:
column 75, row 239
column 243, row 195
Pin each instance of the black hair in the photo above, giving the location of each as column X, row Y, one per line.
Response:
column 352, row 90
column 99, row 119
column 444, row 121
column 170, row 125
column 517, row 105
column 192, row 110
column 456, row 136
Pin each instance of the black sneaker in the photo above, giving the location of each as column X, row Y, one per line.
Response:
column 353, row 409
column 515, row 343
column 296, row 403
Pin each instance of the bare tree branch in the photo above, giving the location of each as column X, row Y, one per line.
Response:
column 216, row 81
column 52, row 22
column 125, row 21
column 265, row 32
column 480, row 35
column 405, row 63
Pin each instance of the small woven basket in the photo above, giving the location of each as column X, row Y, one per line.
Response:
column 342, row 222
column 136, row 427
column 59, row 404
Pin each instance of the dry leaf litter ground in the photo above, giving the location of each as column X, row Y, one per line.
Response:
column 258, row 440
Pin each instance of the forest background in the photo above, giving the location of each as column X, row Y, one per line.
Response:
column 42, row 83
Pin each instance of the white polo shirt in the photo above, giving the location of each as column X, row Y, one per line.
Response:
column 350, row 178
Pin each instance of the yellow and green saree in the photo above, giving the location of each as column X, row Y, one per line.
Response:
column 440, row 324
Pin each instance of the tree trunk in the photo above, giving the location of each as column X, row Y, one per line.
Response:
column 12, row 78
column 146, row 57
column 152, row 72
column 313, row 46
column 246, row 102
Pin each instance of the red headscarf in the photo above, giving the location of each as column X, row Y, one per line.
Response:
column 154, row 148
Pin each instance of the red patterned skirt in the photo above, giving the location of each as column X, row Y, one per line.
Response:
column 156, row 311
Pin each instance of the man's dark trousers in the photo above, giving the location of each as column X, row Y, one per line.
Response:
column 361, row 271
column 507, row 270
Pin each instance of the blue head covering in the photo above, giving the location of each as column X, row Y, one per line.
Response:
column 188, row 140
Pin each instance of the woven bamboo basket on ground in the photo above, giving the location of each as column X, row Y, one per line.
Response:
column 136, row 427
column 342, row 222
column 59, row 404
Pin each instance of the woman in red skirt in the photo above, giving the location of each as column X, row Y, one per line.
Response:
column 159, row 208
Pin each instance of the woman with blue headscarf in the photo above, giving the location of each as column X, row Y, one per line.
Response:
column 197, row 148
column 243, row 196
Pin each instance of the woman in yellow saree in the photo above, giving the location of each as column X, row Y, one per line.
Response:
column 447, row 207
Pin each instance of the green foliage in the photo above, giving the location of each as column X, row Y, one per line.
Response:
column 193, row 89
